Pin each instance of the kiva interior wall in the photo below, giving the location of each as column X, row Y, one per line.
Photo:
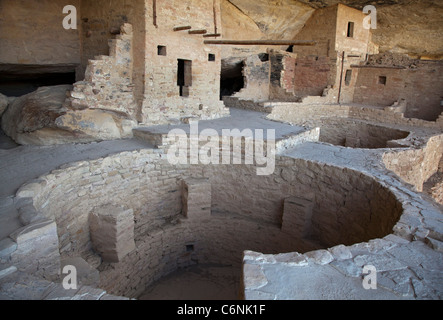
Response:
column 244, row 215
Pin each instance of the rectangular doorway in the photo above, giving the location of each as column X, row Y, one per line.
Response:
column 184, row 76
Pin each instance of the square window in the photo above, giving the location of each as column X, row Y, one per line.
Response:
column 161, row 50
column 382, row 80
column 189, row 247
column 211, row 57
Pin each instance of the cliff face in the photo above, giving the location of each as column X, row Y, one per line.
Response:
column 403, row 26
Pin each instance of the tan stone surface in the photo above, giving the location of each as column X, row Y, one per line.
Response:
column 32, row 33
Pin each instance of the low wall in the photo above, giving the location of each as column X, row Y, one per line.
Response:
column 416, row 166
column 299, row 113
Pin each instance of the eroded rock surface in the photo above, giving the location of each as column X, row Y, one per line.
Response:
column 42, row 118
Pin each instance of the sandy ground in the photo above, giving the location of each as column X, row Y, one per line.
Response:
column 198, row 282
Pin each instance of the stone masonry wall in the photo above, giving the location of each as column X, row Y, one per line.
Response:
column 306, row 113
column 333, row 54
column 108, row 81
column 100, row 21
column 416, row 166
column 420, row 86
column 248, row 198
column 256, row 76
column 162, row 101
column 311, row 75
column 282, row 75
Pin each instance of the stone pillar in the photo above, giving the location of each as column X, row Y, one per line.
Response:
column 297, row 214
column 196, row 198
column 112, row 232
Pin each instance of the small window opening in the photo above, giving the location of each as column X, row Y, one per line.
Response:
column 382, row 80
column 348, row 77
column 189, row 247
column 350, row 30
column 161, row 50
column 263, row 57
column 211, row 57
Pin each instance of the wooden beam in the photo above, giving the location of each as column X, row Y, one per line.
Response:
column 262, row 42
column 154, row 13
column 182, row 28
column 215, row 16
column 377, row 66
column 197, row 31
column 211, row 35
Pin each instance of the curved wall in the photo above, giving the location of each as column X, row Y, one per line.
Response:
column 248, row 212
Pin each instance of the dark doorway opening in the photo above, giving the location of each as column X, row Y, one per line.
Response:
column 231, row 80
column 184, row 76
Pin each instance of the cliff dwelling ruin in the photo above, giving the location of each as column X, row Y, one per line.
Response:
column 221, row 149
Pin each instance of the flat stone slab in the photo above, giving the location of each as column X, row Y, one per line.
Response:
column 239, row 119
column 319, row 282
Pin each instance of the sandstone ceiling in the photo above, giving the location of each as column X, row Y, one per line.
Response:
column 413, row 27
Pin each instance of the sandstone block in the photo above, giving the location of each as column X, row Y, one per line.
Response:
column 112, row 232
column 37, row 248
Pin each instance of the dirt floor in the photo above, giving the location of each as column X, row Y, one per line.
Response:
column 198, row 282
